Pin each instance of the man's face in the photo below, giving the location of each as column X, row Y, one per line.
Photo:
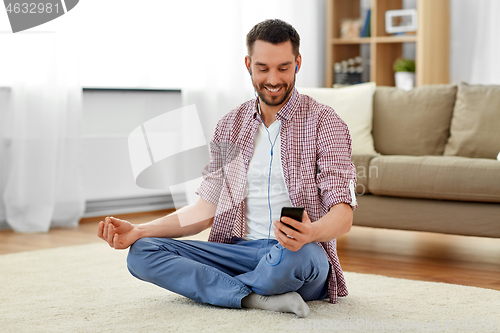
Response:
column 273, row 71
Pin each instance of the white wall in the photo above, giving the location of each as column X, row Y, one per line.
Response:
column 475, row 41
column 463, row 31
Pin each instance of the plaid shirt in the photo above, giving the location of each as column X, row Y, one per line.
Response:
column 316, row 161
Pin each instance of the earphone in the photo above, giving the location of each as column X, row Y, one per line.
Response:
column 250, row 69
column 270, row 166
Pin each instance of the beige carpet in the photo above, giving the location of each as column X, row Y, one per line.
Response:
column 88, row 289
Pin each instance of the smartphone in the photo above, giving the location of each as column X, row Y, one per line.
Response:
column 292, row 212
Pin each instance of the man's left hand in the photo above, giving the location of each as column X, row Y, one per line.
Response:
column 291, row 239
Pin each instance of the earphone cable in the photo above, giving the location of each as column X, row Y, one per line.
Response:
column 269, row 177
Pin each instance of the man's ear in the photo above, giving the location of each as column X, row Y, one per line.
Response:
column 248, row 63
column 298, row 62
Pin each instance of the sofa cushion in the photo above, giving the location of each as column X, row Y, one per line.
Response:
column 475, row 125
column 444, row 216
column 436, row 177
column 354, row 105
column 363, row 171
column 414, row 122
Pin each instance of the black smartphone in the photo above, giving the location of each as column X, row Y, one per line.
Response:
column 292, row 212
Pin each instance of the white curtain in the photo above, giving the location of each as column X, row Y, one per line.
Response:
column 475, row 41
column 40, row 132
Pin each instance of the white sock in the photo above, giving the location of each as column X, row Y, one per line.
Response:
column 289, row 302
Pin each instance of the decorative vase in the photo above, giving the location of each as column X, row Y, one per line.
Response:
column 405, row 80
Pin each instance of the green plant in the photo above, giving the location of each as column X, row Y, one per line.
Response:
column 404, row 65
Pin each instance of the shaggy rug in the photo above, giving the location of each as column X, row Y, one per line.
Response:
column 88, row 288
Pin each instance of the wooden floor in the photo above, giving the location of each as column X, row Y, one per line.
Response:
column 471, row 261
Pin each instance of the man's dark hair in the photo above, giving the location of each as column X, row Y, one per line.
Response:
column 274, row 32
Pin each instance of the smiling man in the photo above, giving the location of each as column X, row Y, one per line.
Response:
column 291, row 152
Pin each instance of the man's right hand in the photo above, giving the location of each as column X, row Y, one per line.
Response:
column 119, row 234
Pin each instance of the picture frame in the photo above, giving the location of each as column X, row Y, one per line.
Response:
column 350, row 28
column 402, row 20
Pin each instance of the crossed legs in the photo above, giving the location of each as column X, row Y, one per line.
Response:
column 233, row 275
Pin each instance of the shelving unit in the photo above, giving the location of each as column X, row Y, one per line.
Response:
column 431, row 40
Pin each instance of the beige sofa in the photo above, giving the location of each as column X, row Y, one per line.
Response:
column 437, row 169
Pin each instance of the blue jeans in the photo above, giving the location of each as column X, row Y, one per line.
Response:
column 222, row 274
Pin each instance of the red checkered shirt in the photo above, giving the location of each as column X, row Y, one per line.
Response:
column 316, row 161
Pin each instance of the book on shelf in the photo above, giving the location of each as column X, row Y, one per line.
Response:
column 366, row 30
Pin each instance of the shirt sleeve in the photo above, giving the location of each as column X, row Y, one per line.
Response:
column 213, row 173
column 336, row 177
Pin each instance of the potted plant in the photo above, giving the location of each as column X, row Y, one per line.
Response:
column 404, row 73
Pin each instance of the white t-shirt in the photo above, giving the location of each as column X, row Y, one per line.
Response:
column 256, row 201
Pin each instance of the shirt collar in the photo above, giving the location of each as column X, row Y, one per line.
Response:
column 291, row 106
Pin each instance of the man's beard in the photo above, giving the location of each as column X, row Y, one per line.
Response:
column 275, row 102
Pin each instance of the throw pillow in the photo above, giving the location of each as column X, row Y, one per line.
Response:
column 414, row 122
column 354, row 105
column 475, row 126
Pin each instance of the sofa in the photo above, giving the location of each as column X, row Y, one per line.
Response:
column 430, row 162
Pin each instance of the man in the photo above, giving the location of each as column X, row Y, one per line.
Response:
column 282, row 141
